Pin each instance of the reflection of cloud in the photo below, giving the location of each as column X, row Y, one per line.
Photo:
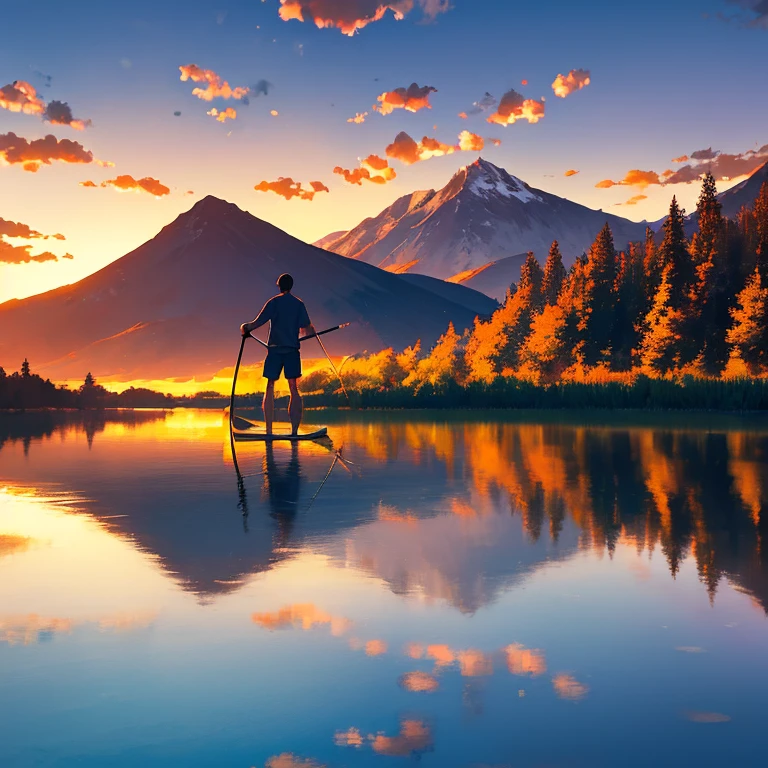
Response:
column 32, row 154
column 349, row 738
column 289, row 760
column 288, row 188
column 418, row 682
column 474, row 663
column 706, row 717
column 350, row 15
column 525, row 661
column 412, row 99
column 127, row 621
column 215, row 86
column 303, row 616
column 568, row 687
column 30, row 629
column 575, row 80
column 513, row 107
column 414, row 737
column 375, row 647
column 10, row 543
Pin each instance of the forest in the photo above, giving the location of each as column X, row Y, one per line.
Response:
column 669, row 322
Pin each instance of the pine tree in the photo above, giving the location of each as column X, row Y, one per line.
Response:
column 531, row 281
column 596, row 320
column 748, row 337
column 554, row 275
column 89, row 382
column 630, row 306
column 673, row 253
column 25, row 369
column 761, row 222
column 651, row 271
column 660, row 343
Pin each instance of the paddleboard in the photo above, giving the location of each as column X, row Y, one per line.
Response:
column 245, row 429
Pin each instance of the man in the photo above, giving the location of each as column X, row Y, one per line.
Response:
column 287, row 317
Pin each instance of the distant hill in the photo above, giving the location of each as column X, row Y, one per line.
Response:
column 468, row 296
column 172, row 307
column 494, row 278
column 483, row 214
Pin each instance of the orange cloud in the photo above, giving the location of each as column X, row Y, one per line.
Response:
column 289, row 760
column 634, row 178
column 358, row 118
column 414, row 737
column 463, row 115
column 228, row 114
column 373, row 168
column 418, row 682
column 408, row 151
column 721, row 165
column 681, row 159
column 350, row 15
column 60, row 113
column 513, row 107
column 288, row 188
column 33, row 154
column 635, row 200
column 495, row 142
column 470, row 142
column 571, row 173
column 413, row 98
column 215, row 87
column 273, row 112
column 127, row 183
column 525, row 661
column 575, row 80
column 20, row 96
column 20, row 254
column 567, row 687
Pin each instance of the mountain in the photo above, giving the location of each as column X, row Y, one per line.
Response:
column 494, row 278
column 172, row 307
column 732, row 200
column 483, row 214
column 468, row 296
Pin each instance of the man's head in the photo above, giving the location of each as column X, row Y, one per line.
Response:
column 285, row 283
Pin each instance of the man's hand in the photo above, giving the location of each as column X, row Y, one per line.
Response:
column 245, row 329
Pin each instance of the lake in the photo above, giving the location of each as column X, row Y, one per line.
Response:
column 477, row 590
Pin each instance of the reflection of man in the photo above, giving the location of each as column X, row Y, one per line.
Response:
column 282, row 483
column 287, row 316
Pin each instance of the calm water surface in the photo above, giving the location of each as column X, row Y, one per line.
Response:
column 464, row 593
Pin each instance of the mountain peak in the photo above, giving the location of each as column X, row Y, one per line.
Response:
column 211, row 204
column 485, row 179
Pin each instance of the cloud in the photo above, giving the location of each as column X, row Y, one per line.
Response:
column 412, row 99
column 634, row 200
column 20, row 254
column 126, row 183
column 373, row 168
column 470, row 142
column 571, row 172
column 261, row 88
column 408, row 151
column 215, row 87
column 273, row 112
column 31, row 155
column 358, row 118
column 495, row 142
column 288, row 188
column 463, row 115
column 17, row 229
column 634, row 178
column 487, row 103
column 60, row 113
column 575, row 80
column 722, row 165
column 177, row 114
column 681, row 159
column 228, row 114
column 20, row 96
column 351, row 15
column 514, row 107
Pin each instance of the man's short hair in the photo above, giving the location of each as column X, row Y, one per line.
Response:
column 285, row 282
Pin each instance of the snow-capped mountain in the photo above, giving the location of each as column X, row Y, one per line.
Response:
column 483, row 214
column 174, row 305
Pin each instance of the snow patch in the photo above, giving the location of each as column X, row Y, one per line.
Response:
column 489, row 181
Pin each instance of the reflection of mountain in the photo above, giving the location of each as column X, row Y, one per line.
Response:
column 456, row 511
column 173, row 306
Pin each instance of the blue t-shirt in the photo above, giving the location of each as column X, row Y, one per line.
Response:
column 286, row 316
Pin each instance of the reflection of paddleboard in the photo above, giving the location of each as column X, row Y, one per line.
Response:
column 245, row 429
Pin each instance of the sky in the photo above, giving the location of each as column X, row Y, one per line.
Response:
column 615, row 91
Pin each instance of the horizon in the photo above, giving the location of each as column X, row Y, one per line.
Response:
column 578, row 133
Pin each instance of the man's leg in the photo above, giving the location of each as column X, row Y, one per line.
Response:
column 295, row 406
column 268, row 405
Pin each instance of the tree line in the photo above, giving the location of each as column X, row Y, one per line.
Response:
column 693, row 312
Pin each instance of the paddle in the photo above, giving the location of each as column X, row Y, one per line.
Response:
column 308, row 336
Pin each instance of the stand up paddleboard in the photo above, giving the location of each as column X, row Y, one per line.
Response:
column 245, row 429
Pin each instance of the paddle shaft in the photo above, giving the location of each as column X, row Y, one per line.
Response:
column 304, row 338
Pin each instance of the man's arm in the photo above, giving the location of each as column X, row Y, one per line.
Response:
column 306, row 328
column 261, row 319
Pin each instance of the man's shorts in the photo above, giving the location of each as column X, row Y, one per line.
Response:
column 278, row 362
